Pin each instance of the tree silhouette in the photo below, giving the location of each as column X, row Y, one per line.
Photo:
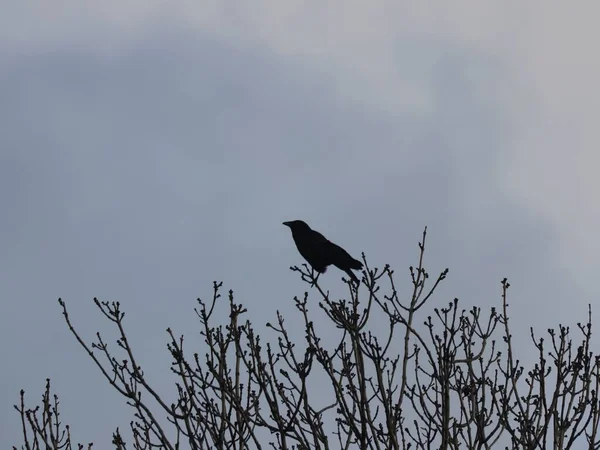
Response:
column 387, row 375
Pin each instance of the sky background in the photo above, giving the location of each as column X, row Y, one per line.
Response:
column 148, row 148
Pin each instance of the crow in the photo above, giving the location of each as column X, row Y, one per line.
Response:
column 319, row 252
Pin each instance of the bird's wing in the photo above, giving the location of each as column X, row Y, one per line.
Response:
column 318, row 238
column 313, row 247
column 326, row 252
column 318, row 253
column 342, row 259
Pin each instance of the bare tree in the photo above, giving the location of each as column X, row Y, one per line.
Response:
column 396, row 377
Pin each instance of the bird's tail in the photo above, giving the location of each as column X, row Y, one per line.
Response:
column 352, row 276
column 356, row 264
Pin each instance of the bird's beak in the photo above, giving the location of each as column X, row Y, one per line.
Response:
column 287, row 224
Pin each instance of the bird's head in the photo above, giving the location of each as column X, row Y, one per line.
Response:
column 297, row 225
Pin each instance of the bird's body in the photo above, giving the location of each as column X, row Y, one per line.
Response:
column 320, row 252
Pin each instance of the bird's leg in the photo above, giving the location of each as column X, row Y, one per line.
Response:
column 312, row 275
column 308, row 275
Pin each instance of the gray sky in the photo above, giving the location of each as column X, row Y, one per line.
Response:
column 147, row 150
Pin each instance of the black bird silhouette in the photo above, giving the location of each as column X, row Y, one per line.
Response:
column 320, row 252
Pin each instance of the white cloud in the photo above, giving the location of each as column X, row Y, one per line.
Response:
column 371, row 53
column 361, row 46
column 537, row 69
column 555, row 157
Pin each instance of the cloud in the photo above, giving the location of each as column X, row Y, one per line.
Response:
column 150, row 149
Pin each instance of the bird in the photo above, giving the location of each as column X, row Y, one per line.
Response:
column 320, row 252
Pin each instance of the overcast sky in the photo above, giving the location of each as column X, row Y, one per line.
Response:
column 149, row 148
